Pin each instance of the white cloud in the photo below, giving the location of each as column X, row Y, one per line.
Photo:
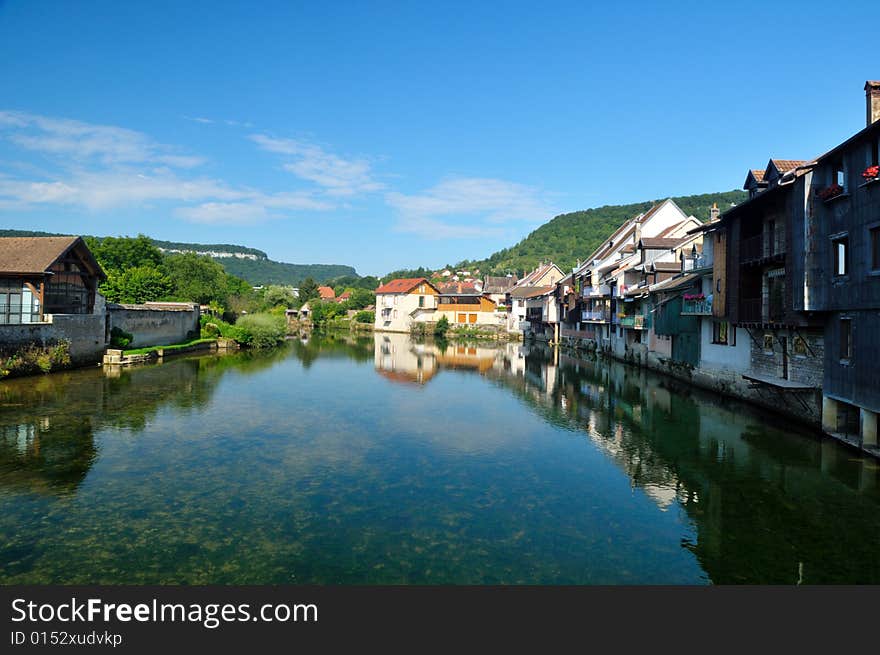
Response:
column 473, row 207
column 102, row 168
column 337, row 175
column 85, row 141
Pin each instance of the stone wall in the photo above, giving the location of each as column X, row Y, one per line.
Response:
column 85, row 333
column 158, row 324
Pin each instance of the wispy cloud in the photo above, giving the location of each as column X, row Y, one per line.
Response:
column 471, row 207
column 338, row 176
column 101, row 168
column 213, row 121
column 88, row 142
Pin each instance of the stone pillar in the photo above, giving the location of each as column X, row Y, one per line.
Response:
column 868, row 421
column 829, row 414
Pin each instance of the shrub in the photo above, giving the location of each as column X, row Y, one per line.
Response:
column 119, row 338
column 35, row 359
column 365, row 316
column 441, row 326
column 261, row 330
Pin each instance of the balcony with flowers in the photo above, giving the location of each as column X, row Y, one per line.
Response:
column 871, row 175
column 696, row 304
column 831, row 192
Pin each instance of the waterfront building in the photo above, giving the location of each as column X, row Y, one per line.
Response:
column 403, row 302
column 326, row 293
column 546, row 274
column 46, row 275
column 597, row 298
column 468, row 307
column 842, row 277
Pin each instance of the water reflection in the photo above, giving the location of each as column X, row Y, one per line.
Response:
column 378, row 459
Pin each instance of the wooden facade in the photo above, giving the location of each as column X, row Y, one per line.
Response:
column 46, row 275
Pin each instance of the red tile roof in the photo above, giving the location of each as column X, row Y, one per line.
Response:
column 326, row 293
column 403, row 285
column 785, row 165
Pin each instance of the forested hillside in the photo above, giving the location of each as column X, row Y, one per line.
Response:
column 257, row 271
column 570, row 237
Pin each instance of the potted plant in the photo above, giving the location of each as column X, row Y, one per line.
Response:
column 871, row 173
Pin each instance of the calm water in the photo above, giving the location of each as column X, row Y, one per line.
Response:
column 384, row 461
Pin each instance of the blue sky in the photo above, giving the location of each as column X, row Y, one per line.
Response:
column 387, row 135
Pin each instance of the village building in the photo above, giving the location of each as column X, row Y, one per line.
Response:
column 403, row 302
column 842, row 277
column 597, row 297
column 496, row 288
column 547, row 274
column 46, row 275
column 326, row 293
column 49, row 293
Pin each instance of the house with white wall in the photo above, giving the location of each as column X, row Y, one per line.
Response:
column 403, row 302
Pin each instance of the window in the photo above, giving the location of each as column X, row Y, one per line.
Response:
column 395, row 311
column 421, row 288
column 472, row 318
column 720, row 332
column 839, row 176
column 421, row 301
column 839, row 247
column 875, row 155
column 845, row 338
column 768, row 343
column 874, row 234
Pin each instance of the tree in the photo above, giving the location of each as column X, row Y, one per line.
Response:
column 120, row 253
column 360, row 298
column 308, row 290
column 137, row 285
column 196, row 278
column 276, row 295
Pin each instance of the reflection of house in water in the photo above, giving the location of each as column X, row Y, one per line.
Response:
column 399, row 359
column 46, row 455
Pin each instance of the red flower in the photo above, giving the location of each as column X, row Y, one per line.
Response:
column 871, row 172
column 830, row 192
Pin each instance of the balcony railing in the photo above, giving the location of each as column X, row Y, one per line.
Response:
column 597, row 292
column 594, row 316
column 697, row 307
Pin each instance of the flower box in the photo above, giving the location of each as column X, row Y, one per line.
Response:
column 871, row 173
column 830, row 192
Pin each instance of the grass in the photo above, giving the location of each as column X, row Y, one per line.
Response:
column 175, row 346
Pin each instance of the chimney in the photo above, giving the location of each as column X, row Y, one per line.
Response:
column 714, row 212
column 872, row 101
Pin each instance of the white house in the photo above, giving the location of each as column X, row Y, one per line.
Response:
column 402, row 302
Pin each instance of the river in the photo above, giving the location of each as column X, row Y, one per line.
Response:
column 381, row 460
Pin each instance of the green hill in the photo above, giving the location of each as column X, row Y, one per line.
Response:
column 569, row 237
column 247, row 263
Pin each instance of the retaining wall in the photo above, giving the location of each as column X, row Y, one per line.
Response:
column 158, row 324
column 85, row 332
